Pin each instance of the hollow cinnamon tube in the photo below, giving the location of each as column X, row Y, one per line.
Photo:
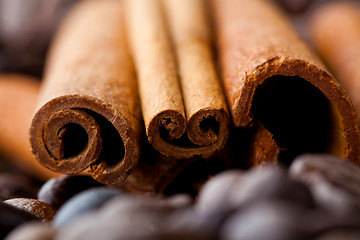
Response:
column 335, row 32
column 88, row 112
column 18, row 96
column 270, row 75
column 198, row 108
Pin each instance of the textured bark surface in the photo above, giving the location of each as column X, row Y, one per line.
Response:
column 184, row 115
column 260, row 43
column 88, row 112
column 263, row 147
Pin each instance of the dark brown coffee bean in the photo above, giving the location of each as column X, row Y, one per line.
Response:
column 266, row 220
column 212, row 194
column 57, row 191
column 188, row 221
column 32, row 231
column 232, row 190
column 38, row 208
column 178, row 200
column 15, row 185
column 26, row 29
column 125, row 217
column 86, row 201
column 334, row 182
column 12, row 217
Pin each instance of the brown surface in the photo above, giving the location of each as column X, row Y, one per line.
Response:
column 263, row 147
column 335, row 31
column 198, row 108
column 257, row 42
column 154, row 174
column 35, row 207
column 89, row 82
column 18, row 96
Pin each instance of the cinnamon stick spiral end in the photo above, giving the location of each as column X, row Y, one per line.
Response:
column 207, row 132
column 69, row 135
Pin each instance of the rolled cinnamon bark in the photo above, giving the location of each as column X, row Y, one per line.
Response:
column 263, row 148
column 198, row 108
column 270, row 75
column 335, row 32
column 18, row 97
column 88, row 112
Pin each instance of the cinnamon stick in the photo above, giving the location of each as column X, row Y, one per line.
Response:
column 88, row 113
column 335, row 32
column 271, row 76
column 18, row 96
column 194, row 105
column 263, row 148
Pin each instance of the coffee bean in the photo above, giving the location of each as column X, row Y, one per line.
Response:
column 57, row 191
column 187, row 222
column 180, row 200
column 212, row 194
column 126, row 217
column 15, row 185
column 24, row 42
column 267, row 183
column 35, row 207
column 232, row 190
column 334, row 182
column 32, row 231
column 12, row 217
column 83, row 202
column 266, row 220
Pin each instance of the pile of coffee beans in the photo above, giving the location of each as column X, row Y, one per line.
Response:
column 317, row 197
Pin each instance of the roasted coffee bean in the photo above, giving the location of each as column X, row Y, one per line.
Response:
column 269, row 183
column 57, row 191
column 188, row 221
column 266, row 220
column 32, row 231
column 83, row 202
column 212, row 194
column 334, row 182
column 230, row 190
column 26, row 29
column 16, row 185
column 124, row 217
column 12, row 217
column 35, row 207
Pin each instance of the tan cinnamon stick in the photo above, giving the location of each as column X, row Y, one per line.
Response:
column 198, row 108
column 88, row 112
column 335, row 31
column 270, row 75
column 18, row 96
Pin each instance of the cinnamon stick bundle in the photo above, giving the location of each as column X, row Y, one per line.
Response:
column 88, row 113
column 335, row 32
column 18, row 96
column 271, row 76
column 172, row 105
